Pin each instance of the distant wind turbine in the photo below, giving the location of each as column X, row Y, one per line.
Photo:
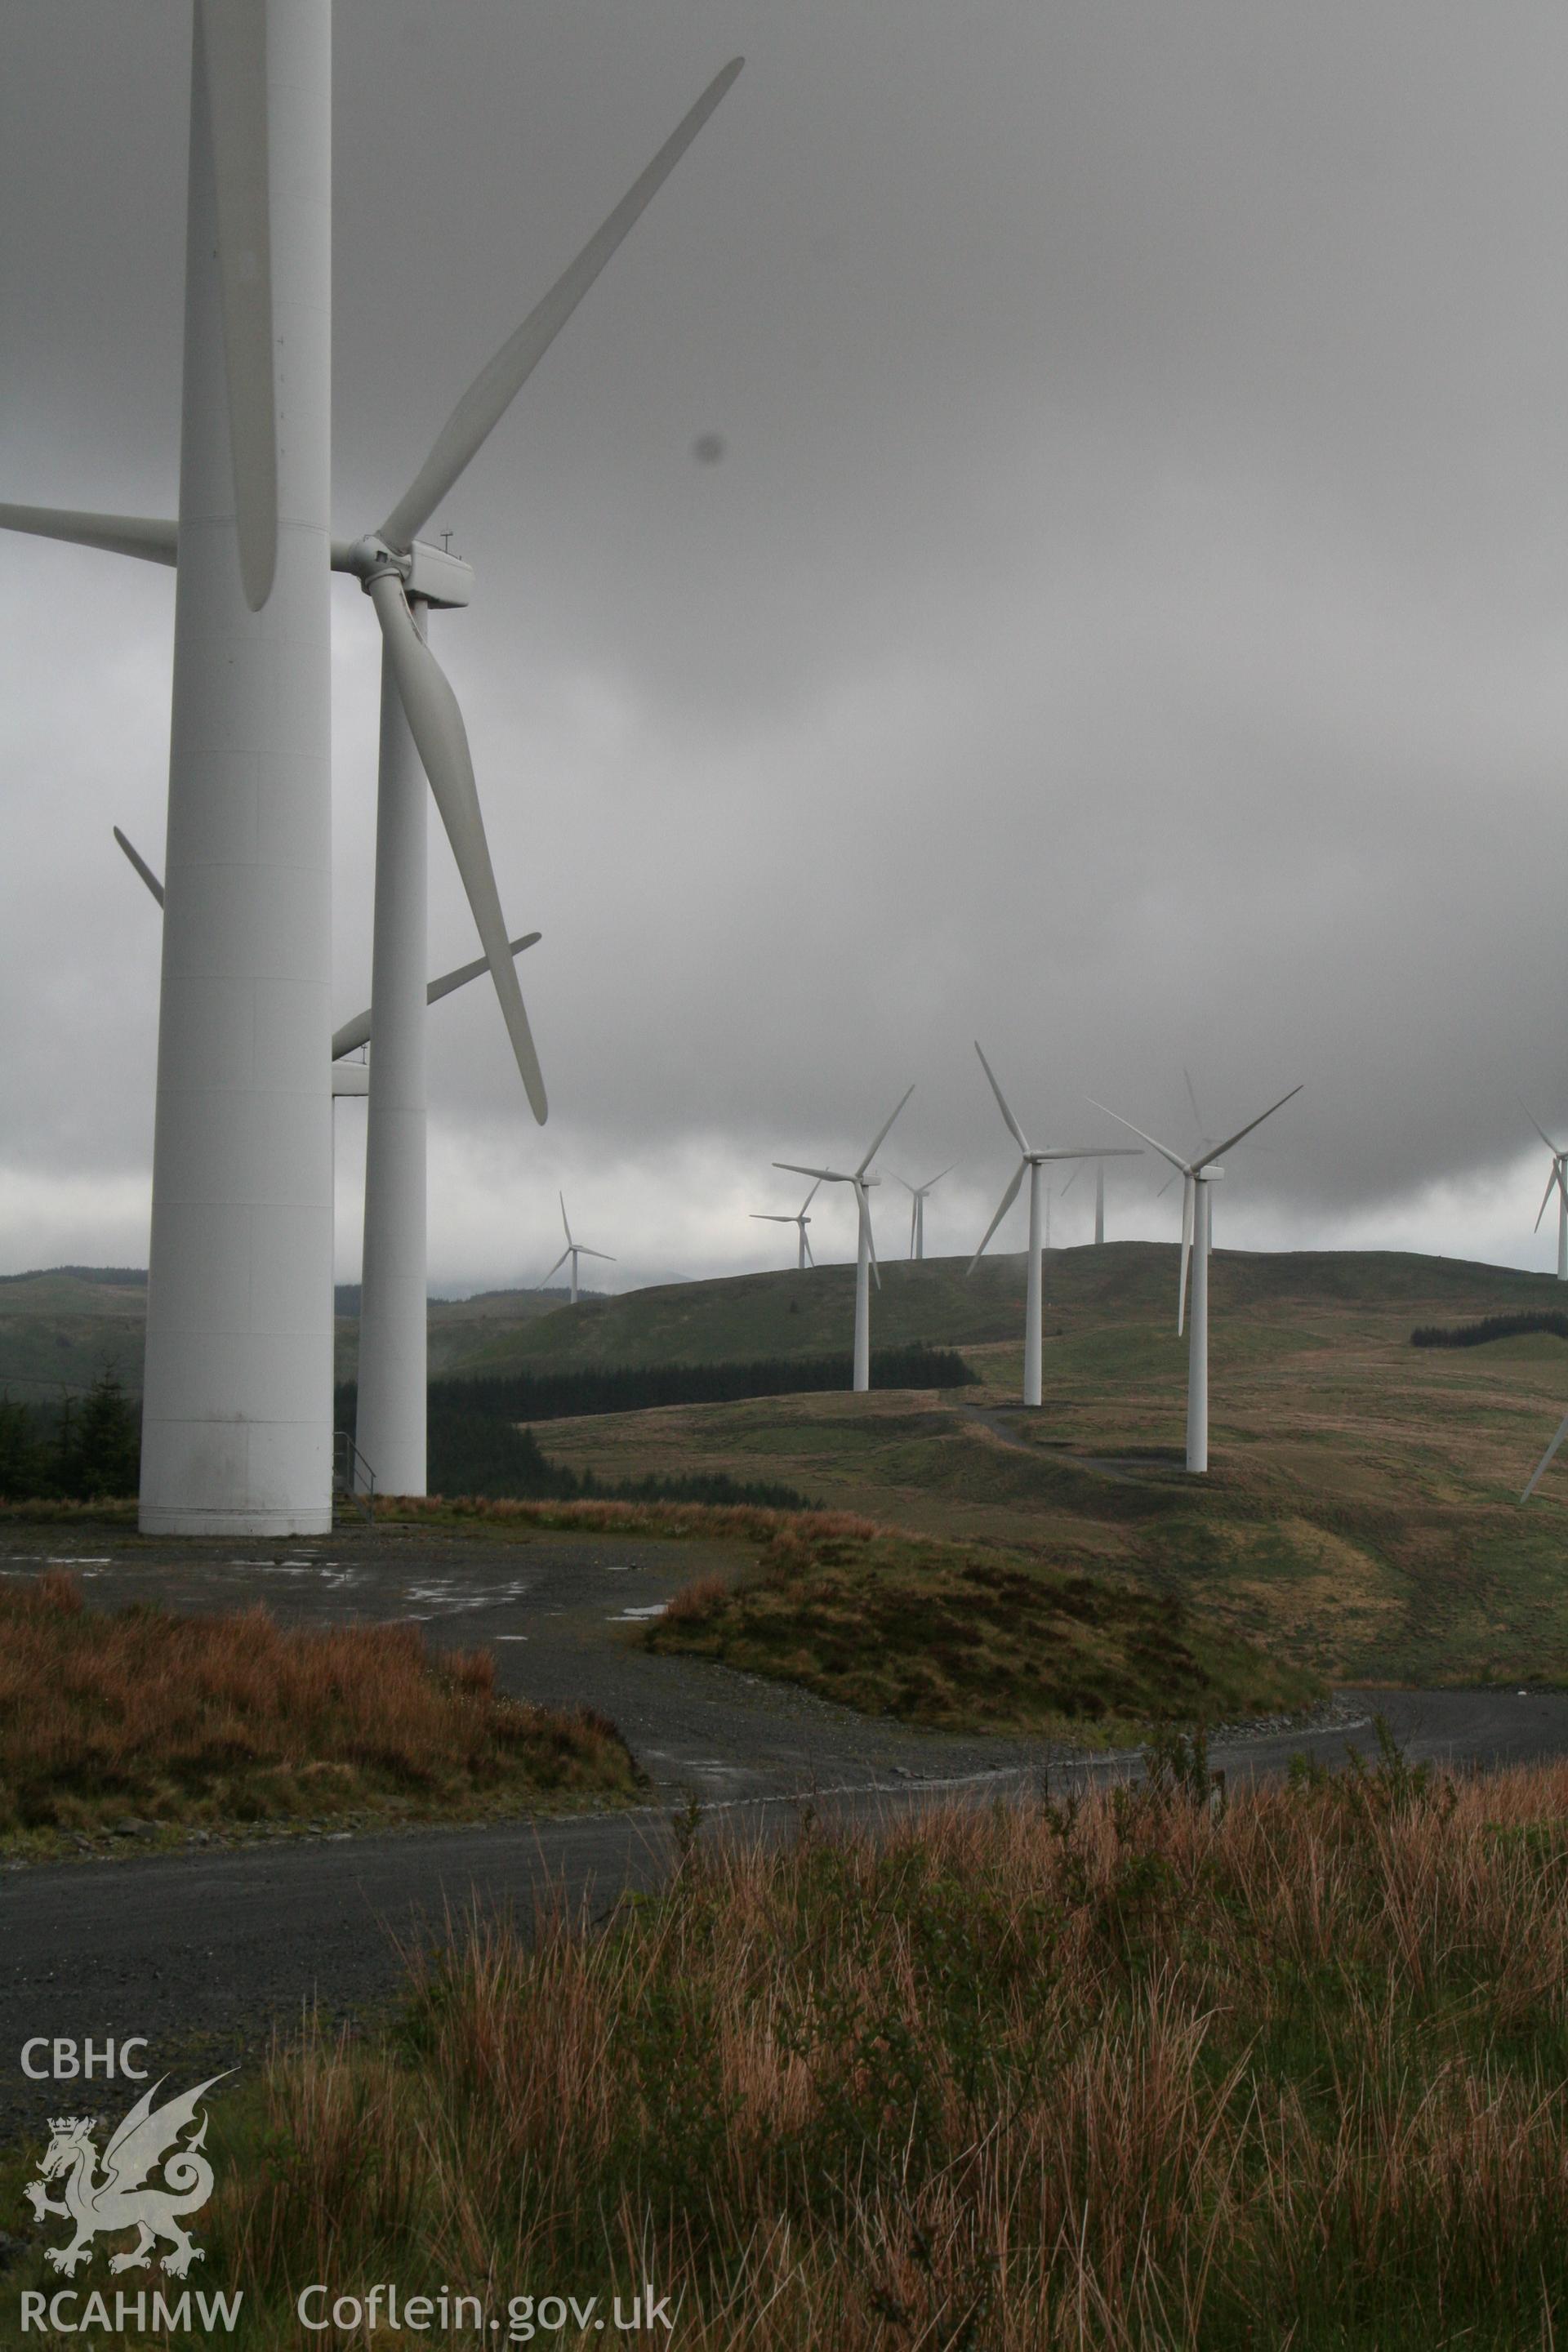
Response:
column 574, row 1250
column 866, row 1250
column 1099, row 1199
column 917, row 1193
column 1032, row 1162
column 1196, row 1176
column 771, row 1217
column 1559, row 1182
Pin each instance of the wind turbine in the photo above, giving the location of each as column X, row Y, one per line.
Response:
column 237, row 1434
column 771, row 1217
column 574, row 1250
column 917, row 1193
column 1558, row 1180
column 866, row 1247
column 1032, row 1162
column 422, row 735
column 1099, row 1199
column 1196, row 1176
column 237, row 1408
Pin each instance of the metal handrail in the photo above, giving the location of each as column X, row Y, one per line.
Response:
column 352, row 1474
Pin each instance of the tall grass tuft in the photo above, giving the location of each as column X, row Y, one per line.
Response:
column 236, row 1718
column 1139, row 2071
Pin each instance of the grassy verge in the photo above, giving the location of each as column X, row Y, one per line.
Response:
column 1138, row 2072
column 139, row 1723
column 969, row 1638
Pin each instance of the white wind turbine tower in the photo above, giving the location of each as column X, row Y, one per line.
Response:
column 238, row 1426
column 865, row 1248
column 1196, row 1176
column 237, row 1431
column 771, row 1217
column 574, row 1250
column 917, row 1193
column 1099, row 1199
column 1032, row 1162
column 1558, row 1180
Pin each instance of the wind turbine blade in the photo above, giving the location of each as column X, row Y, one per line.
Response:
column 562, row 1198
column 1540, row 1470
column 914, row 1213
column 809, row 1258
column 1530, row 1115
column 436, row 725
column 931, row 1182
column 771, row 1217
column 156, row 887
column 1008, row 1197
column 1180, row 1166
column 555, row 1268
column 1552, row 1183
column 233, row 36
column 1221, row 1148
column 882, row 1131
column 811, row 1196
column 823, row 1175
column 150, row 537
column 495, row 388
column 461, row 977
column 1192, row 1098
column 1072, row 1180
column 1189, row 1191
column 864, row 1206
column 584, row 1251
column 1014, row 1130
column 357, row 1033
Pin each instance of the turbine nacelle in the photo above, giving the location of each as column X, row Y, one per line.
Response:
column 432, row 573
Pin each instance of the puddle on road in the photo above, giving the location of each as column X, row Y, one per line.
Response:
column 448, row 1599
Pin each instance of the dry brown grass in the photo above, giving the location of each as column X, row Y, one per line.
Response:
column 687, row 1522
column 182, row 1720
column 1139, row 2072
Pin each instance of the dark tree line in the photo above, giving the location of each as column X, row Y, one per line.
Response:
column 634, row 1388
column 475, row 1453
column 81, row 1448
column 1490, row 1326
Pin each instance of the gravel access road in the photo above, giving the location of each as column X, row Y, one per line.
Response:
column 210, row 1949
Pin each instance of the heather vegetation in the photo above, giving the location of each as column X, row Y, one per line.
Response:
column 967, row 1637
column 1152, row 2069
column 189, row 1722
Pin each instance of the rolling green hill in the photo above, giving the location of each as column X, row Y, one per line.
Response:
column 65, row 1325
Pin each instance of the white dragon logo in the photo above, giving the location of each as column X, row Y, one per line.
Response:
column 116, row 2198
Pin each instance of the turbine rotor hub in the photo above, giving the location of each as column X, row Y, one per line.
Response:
column 370, row 559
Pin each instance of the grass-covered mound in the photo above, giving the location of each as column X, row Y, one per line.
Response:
column 166, row 1722
column 1136, row 2073
column 962, row 1637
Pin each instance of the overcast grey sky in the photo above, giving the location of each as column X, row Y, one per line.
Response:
column 1127, row 623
